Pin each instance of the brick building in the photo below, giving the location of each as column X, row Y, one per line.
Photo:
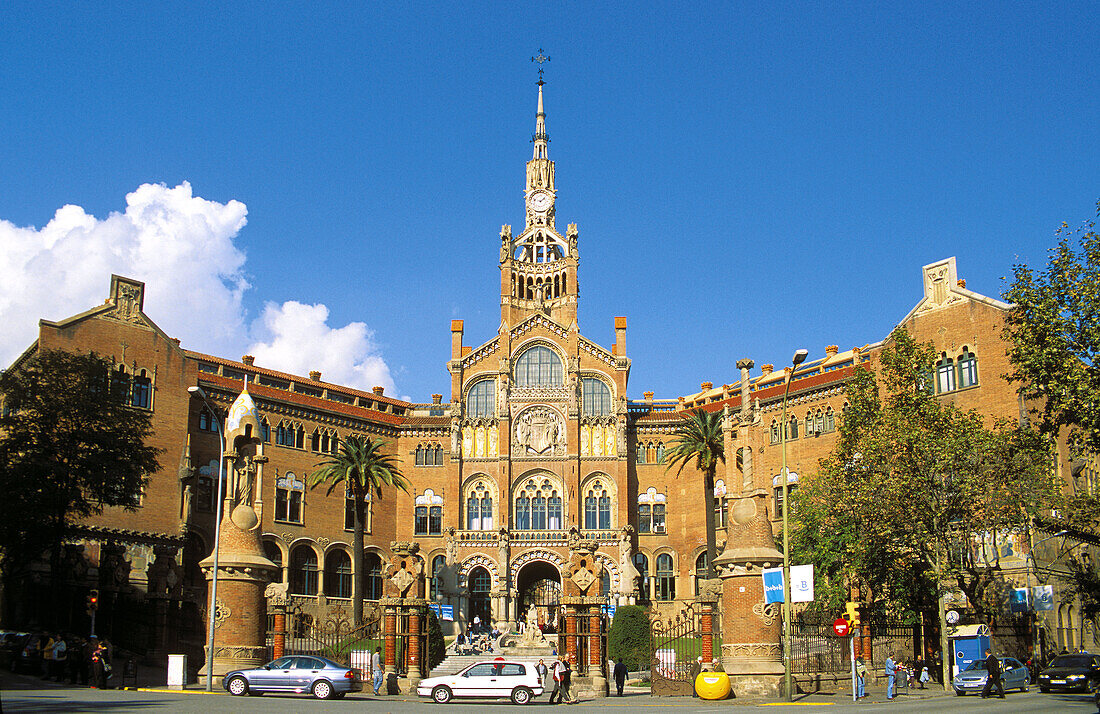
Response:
column 538, row 443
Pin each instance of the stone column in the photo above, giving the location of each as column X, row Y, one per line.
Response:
column 277, row 599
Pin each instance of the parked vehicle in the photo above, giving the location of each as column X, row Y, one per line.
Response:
column 1078, row 672
column 1014, row 675
column 296, row 674
column 495, row 679
column 25, row 655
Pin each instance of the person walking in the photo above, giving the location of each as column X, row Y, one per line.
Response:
column 541, row 670
column 891, row 678
column 567, row 681
column 620, row 676
column 993, row 668
column 101, row 665
column 924, row 677
column 60, row 653
column 861, row 679
column 376, row 670
column 557, row 671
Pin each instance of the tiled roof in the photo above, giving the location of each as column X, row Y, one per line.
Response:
column 304, row 400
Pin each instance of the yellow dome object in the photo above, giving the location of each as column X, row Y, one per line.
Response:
column 712, row 685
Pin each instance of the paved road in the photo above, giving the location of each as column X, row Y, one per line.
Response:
column 28, row 694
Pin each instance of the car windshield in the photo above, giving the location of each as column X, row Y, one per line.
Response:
column 1071, row 661
column 978, row 664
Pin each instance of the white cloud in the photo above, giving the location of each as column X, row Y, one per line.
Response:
column 182, row 246
column 299, row 340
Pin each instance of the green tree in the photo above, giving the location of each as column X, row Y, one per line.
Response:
column 629, row 637
column 437, row 646
column 699, row 439
column 363, row 470
column 911, row 482
column 1054, row 330
column 71, row 445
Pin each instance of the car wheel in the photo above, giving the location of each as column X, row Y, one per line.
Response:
column 521, row 695
column 441, row 695
column 238, row 686
column 322, row 690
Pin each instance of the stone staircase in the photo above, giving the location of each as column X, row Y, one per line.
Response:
column 455, row 662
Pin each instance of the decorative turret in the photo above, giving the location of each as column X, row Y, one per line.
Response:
column 539, row 266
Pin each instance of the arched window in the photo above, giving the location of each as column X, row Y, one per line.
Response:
column 605, row 582
column 660, row 453
column 372, row 576
column 775, row 438
column 595, row 397
column 303, row 571
column 428, row 514
column 720, row 504
column 597, row 506
column 538, row 367
column 809, row 423
column 666, row 578
column 338, row 574
column 538, row 506
column 641, row 453
column 120, row 385
column 142, row 396
column 819, row 422
column 206, row 420
column 793, row 434
column 479, row 508
column 830, row 419
column 288, row 498
column 641, row 564
column 435, row 585
column 968, row 369
column 265, row 431
column 945, row 374
column 700, row 570
column 275, row 554
column 651, row 512
column 482, row 399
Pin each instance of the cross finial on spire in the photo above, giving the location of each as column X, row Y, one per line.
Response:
column 540, row 59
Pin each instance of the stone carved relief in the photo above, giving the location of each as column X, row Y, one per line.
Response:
column 73, row 563
column 114, row 569
column 539, row 431
column 768, row 613
column 277, row 594
column 165, row 576
column 406, row 569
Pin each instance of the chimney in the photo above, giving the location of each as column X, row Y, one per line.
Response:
column 315, row 375
column 706, row 386
column 961, row 282
column 766, row 369
column 456, row 339
column 831, row 350
column 648, row 396
column 620, row 336
column 379, row 390
column 249, row 360
column 437, row 399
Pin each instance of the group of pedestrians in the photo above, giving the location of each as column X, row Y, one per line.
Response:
column 73, row 657
column 561, row 670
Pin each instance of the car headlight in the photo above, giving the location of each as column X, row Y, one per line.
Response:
column 1076, row 676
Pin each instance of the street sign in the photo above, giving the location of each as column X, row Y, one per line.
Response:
column 841, row 627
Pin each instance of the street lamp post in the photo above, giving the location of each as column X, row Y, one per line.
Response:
column 798, row 358
column 198, row 392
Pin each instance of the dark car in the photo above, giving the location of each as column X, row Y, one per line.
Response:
column 25, row 655
column 295, row 674
column 1078, row 672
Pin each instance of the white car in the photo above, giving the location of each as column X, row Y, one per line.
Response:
column 492, row 679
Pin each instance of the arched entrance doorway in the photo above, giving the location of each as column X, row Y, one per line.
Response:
column 539, row 584
column 480, row 615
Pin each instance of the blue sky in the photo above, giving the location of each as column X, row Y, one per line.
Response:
column 747, row 178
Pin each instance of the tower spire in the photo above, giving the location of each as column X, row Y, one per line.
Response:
column 540, row 139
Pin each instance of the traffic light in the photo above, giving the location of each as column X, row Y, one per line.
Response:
column 93, row 601
column 851, row 613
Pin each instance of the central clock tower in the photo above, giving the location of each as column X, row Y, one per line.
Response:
column 538, row 268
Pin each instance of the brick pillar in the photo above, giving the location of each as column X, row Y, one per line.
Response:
column 706, row 623
column 595, row 653
column 414, row 644
column 278, row 636
column 571, row 632
column 391, row 639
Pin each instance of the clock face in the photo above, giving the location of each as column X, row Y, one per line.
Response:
column 540, row 201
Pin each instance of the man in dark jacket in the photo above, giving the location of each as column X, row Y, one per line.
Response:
column 620, row 676
column 993, row 667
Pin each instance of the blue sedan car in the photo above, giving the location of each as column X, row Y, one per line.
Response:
column 295, row 674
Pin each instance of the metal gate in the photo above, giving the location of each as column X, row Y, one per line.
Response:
column 333, row 637
column 545, row 595
column 677, row 647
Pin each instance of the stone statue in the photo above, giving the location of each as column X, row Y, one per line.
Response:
column 452, row 546
column 531, row 633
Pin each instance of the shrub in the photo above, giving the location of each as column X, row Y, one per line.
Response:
column 437, row 647
column 629, row 638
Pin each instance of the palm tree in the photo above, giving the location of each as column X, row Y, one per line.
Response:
column 363, row 470
column 699, row 438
